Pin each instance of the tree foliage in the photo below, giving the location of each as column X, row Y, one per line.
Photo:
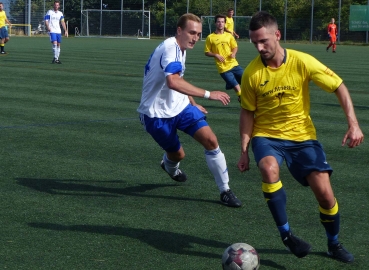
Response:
column 298, row 11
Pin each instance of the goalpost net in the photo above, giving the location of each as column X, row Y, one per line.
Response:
column 19, row 30
column 241, row 26
column 115, row 23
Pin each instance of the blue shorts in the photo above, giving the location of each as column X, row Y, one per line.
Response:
column 3, row 32
column 55, row 37
column 164, row 130
column 232, row 77
column 302, row 158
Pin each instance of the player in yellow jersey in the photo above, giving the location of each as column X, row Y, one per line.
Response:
column 275, row 121
column 229, row 25
column 223, row 47
column 4, row 37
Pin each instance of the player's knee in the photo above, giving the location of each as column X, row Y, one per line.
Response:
column 269, row 169
column 210, row 142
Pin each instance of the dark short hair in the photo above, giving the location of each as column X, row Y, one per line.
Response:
column 262, row 19
column 182, row 21
column 230, row 9
column 220, row 16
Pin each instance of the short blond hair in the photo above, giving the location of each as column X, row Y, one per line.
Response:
column 182, row 21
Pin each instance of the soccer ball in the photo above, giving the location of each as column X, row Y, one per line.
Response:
column 240, row 256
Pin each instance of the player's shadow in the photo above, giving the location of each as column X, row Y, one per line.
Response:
column 168, row 242
column 98, row 188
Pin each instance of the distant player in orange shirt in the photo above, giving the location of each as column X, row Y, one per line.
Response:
column 332, row 33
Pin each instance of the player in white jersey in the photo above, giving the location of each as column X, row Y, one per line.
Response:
column 167, row 105
column 53, row 19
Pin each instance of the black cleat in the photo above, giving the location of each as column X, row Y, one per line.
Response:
column 53, row 62
column 229, row 199
column 179, row 177
column 334, row 52
column 339, row 253
column 57, row 61
column 297, row 246
column 327, row 49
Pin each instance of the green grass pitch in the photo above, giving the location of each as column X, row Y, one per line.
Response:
column 81, row 186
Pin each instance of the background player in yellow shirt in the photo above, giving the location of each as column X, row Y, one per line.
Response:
column 229, row 25
column 4, row 37
column 223, row 47
column 275, row 121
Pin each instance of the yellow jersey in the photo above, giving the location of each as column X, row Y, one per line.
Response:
column 2, row 18
column 280, row 98
column 222, row 44
column 229, row 24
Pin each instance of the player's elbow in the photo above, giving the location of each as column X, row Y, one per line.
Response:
column 172, row 82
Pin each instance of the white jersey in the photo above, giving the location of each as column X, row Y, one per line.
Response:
column 157, row 99
column 54, row 18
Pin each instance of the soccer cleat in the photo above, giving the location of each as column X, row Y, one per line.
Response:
column 334, row 52
column 57, row 61
column 3, row 52
column 180, row 177
column 53, row 62
column 339, row 253
column 296, row 245
column 229, row 199
column 327, row 49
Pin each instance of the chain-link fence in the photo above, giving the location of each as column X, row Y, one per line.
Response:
column 29, row 12
column 298, row 20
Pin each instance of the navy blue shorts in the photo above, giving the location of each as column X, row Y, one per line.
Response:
column 3, row 32
column 164, row 130
column 302, row 158
column 232, row 77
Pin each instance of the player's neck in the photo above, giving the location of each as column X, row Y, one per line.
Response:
column 278, row 58
column 219, row 31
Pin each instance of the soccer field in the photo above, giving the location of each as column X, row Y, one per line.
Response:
column 81, row 182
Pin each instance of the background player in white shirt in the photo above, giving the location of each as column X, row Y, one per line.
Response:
column 167, row 106
column 53, row 19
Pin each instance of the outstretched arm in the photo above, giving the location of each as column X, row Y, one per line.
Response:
column 354, row 136
column 177, row 83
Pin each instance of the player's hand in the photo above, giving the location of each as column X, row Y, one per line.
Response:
column 221, row 96
column 220, row 58
column 237, row 36
column 233, row 55
column 353, row 137
column 329, row 35
column 243, row 162
column 66, row 34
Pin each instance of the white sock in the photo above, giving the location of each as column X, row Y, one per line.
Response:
column 58, row 51
column 218, row 167
column 55, row 48
column 171, row 166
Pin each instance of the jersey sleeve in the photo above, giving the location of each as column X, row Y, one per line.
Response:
column 248, row 95
column 207, row 45
column 170, row 60
column 322, row 76
column 47, row 16
column 233, row 42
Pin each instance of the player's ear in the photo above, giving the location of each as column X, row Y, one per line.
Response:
column 278, row 34
column 179, row 31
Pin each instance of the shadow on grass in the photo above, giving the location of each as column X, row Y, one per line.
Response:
column 165, row 241
column 86, row 188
